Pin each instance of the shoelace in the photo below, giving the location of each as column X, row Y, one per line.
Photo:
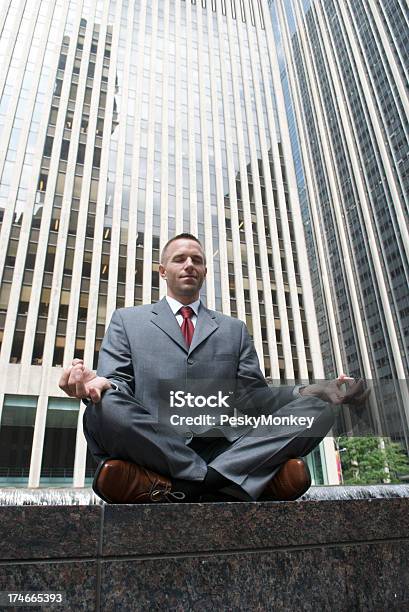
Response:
column 174, row 496
column 157, row 495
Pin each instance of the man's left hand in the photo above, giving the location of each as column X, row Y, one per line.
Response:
column 332, row 391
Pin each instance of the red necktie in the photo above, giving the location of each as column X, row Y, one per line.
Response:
column 187, row 326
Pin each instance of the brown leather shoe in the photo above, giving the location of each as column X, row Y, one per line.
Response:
column 291, row 481
column 122, row 482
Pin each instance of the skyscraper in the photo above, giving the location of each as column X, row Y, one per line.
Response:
column 123, row 123
column 347, row 65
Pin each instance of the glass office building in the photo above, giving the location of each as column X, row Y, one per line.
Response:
column 122, row 123
column 346, row 65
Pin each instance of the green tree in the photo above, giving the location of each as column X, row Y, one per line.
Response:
column 364, row 460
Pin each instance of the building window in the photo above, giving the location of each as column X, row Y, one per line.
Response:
column 16, row 438
column 59, row 442
column 81, row 153
column 65, row 146
column 17, row 346
column 48, row 147
column 97, row 157
column 42, row 182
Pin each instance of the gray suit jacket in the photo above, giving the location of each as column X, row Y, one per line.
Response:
column 144, row 345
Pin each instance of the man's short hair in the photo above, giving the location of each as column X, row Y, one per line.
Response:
column 185, row 236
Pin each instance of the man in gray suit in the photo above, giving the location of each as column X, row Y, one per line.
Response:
column 178, row 341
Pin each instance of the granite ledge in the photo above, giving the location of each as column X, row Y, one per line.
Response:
column 30, row 532
column 319, row 552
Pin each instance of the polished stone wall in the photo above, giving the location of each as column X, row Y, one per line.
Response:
column 312, row 554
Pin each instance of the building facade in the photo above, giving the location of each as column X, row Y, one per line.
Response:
column 122, row 123
column 346, row 64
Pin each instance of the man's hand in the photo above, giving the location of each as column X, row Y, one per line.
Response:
column 332, row 392
column 78, row 381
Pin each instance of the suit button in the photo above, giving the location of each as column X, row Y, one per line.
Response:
column 190, row 361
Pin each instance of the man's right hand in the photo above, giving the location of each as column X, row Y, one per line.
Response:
column 80, row 382
column 331, row 391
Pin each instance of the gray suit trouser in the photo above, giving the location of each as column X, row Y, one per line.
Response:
column 120, row 427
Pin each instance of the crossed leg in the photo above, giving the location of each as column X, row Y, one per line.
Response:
column 121, row 427
column 253, row 459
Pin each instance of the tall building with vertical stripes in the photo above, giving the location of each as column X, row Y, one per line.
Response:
column 346, row 65
column 123, row 123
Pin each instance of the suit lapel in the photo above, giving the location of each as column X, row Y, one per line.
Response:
column 205, row 326
column 163, row 317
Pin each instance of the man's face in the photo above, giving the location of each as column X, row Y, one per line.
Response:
column 184, row 270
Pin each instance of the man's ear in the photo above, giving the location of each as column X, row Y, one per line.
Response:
column 162, row 271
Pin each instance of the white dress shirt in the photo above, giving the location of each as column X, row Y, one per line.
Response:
column 176, row 306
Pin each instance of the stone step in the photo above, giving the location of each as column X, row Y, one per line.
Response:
column 337, row 549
